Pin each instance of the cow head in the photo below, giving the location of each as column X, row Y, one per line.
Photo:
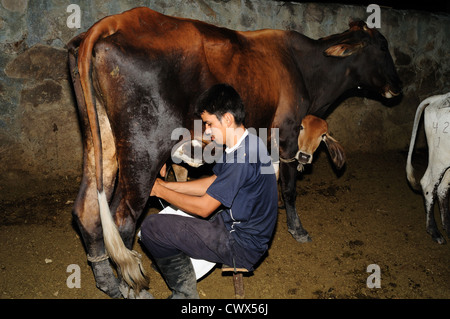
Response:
column 312, row 132
column 372, row 66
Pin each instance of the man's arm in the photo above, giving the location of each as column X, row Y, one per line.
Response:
column 196, row 187
column 202, row 205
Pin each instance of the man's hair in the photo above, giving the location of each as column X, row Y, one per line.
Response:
column 220, row 99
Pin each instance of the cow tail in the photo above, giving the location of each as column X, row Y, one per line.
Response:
column 128, row 262
column 409, row 168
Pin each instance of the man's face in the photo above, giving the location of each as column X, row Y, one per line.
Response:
column 214, row 128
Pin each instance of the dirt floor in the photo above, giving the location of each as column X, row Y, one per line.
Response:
column 366, row 215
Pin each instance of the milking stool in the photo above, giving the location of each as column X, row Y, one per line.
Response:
column 238, row 279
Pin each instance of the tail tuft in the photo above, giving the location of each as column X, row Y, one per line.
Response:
column 128, row 261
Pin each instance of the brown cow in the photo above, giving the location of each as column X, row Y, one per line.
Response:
column 137, row 76
column 313, row 131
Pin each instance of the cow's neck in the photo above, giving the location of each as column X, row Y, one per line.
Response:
column 334, row 84
column 326, row 78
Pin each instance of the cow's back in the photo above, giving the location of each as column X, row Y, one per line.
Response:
column 198, row 55
column 437, row 129
column 257, row 64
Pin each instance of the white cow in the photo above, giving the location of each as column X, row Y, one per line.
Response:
column 436, row 180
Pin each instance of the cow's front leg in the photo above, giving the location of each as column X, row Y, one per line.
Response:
column 288, row 175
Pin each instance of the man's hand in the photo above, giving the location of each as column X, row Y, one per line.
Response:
column 157, row 186
column 189, row 196
column 163, row 171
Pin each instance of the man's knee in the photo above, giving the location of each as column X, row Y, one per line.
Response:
column 159, row 227
column 155, row 232
column 150, row 226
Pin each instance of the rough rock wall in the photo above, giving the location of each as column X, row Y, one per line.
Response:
column 39, row 132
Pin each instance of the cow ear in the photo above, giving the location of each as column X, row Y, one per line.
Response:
column 343, row 50
column 336, row 151
column 357, row 25
column 361, row 25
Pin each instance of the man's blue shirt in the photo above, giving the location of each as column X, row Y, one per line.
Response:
column 246, row 185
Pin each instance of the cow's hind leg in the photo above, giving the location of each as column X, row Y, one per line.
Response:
column 443, row 193
column 86, row 210
column 429, row 188
column 288, row 175
column 87, row 217
column 135, row 179
column 127, row 209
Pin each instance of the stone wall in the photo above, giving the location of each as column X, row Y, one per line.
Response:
column 39, row 132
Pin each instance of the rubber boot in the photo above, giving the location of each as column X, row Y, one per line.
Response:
column 179, row 275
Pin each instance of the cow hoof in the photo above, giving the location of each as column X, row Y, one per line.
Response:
column 129, row 293
column 440, row 240
column 144, row 294
column 112, row 293
column 436, row 236
column 301, row 238
column 115, row 294
column 105, row 279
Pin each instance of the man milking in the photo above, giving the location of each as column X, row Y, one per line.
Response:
column 243, row 186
